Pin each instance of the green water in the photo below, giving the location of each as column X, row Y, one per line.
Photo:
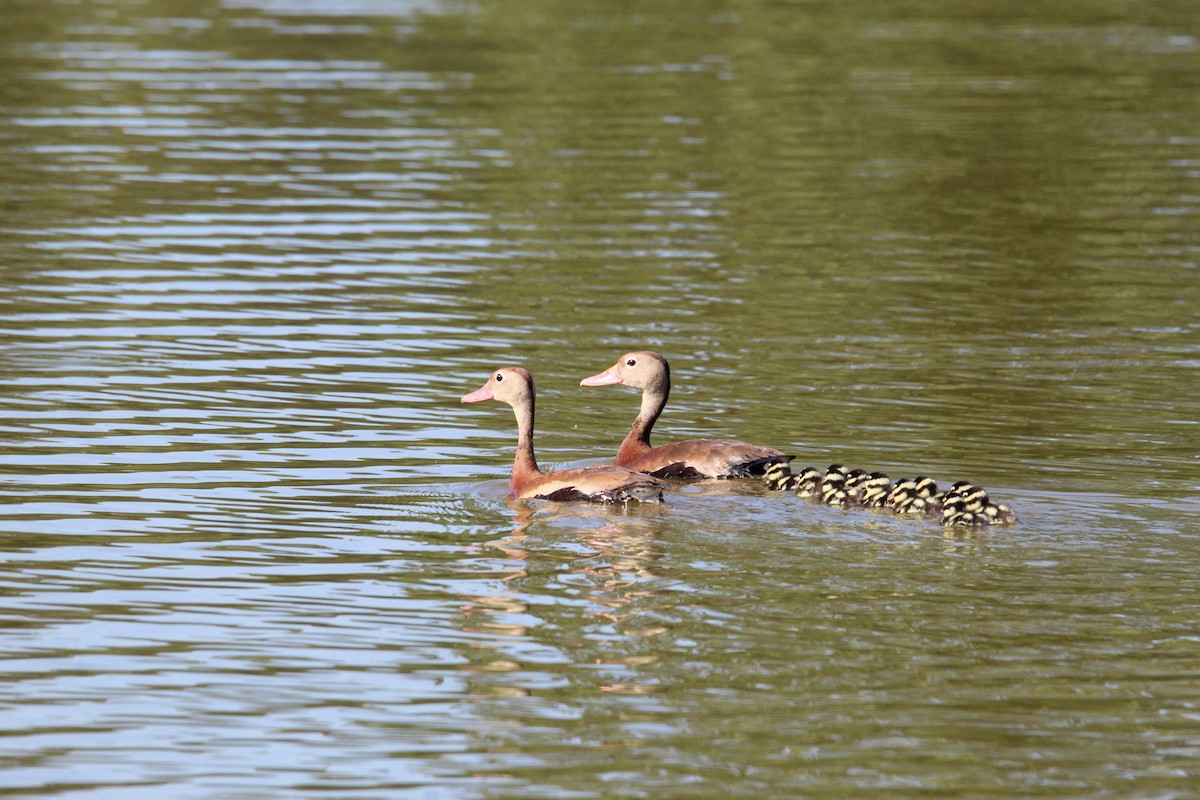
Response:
column 252, row 252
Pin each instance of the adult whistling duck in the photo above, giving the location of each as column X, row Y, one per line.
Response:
column 602, row 484
column 694, row 458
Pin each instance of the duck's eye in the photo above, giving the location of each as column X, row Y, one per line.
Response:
column 499, row 377
column 631, row 362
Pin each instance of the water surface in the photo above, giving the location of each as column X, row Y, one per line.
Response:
column 251, row 255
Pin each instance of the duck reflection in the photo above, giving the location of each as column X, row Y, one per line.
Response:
column 575, row 586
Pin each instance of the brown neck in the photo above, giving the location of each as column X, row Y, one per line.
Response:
column 525, row 466
column 654, row 400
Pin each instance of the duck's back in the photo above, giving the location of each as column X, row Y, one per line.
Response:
column 601, row 484
column 704, row 458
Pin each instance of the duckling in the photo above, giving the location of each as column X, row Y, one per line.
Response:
column 902, row 498
column 999, row 514
column 874, row 490
column 899, row 493
column 968, row 504
column 833, row 486
column 914, row 497
column 838, row 469
column 925, row 488
column 974, row 498
column 833, row 492
column 780, row 478
column 960, row 487
column 854, row 482
column 927, row 500
column 954, row 512
column 807, row 482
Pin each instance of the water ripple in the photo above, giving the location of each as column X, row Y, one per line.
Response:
column 255, row 546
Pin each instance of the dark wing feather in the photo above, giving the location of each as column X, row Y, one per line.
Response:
column 758, row 467
column 565, row 495
column 678, row 470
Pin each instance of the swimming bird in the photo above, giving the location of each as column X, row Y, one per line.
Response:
column 833, row 486
column 694, row 458
column 600, row 484
column 805, row 483
column 967, row 504
column 874, row 490
column 913, row 497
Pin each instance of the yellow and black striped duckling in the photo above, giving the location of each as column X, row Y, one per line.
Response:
column 913, row 497
column 999, row 514
column 806, row 483
column 967, row 504
column 777, row 477
column 780, row 478
column 927, row 493
column 874, row 489
column 833, row 486
column 954, row 512
column 854, row 484
column 899, row 496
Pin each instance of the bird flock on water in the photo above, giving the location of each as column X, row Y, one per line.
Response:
column 639, row 467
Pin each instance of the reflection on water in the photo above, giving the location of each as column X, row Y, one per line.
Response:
column 251, row 255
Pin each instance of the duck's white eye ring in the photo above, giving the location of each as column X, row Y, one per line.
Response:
column 499, row 377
